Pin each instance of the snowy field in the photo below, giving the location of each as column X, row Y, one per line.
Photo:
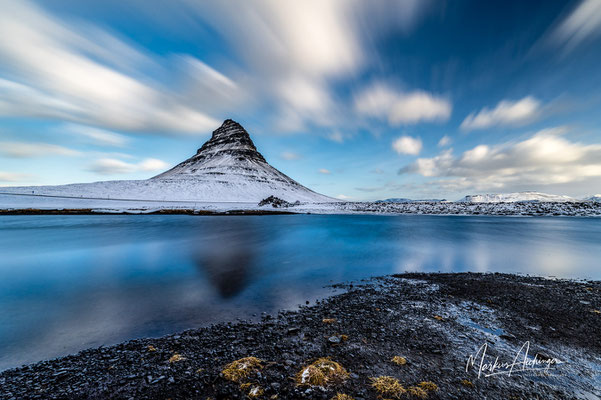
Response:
column 54, row 202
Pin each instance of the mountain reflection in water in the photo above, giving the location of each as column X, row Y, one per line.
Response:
column 226, row 254
column 73, row 282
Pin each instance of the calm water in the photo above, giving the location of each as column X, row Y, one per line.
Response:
column 72, row 282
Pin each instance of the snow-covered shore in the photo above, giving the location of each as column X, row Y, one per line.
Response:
column 24, row 202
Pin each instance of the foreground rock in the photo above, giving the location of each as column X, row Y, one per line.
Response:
column 408, row 336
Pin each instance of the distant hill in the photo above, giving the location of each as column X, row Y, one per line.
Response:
column 403, row 200
column 515, row 197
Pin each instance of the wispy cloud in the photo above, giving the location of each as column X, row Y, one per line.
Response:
column 288, row 155
column 506, row 113
column 336, row 136
column 583, row 22
column 295, row 51
column 111, row 166
column 324, row 171
column 444, row 141
column 97, row 136
column 543, row 159
column 380, row 101
column 83, row 74
column 28, row 150
column 407, row 145
column 13, row 176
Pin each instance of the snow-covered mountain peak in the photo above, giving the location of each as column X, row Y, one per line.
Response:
column 229, row 167
column 230, row 139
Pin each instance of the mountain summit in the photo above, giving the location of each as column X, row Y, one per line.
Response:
column 228, row 167
column 230, row 145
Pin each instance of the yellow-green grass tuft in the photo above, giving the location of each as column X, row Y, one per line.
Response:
column 398, row 360
column 417, row 392
column 340, row 396
column 321, row 372
column 241, row 369
column 429, row 386
column 387, row 386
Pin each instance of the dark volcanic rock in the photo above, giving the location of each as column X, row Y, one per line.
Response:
column 434, row 321
column 276, row 202
column 229, row 139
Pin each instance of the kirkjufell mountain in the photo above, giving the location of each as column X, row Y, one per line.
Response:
column 227, row 168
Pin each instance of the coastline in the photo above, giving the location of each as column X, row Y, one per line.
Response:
column 434, row 321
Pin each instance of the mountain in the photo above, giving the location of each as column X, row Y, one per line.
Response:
column 404, row 200
column 515, row 197
column 227, row 168
column 595, row 198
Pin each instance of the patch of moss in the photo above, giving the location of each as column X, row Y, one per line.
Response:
column 321, row 372
column 398, row 360
column 387, row 386
column 429, row 386
column 242, row 368
column 438, row 318
column 328, row 320
column 417, row 392
column 467, row 383
column 340, row 396
column 255, row 391
column 151, row 348
column 176, row 357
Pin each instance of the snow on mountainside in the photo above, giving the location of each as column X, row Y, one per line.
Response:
column 595, row 198
column 227, row 168
column 515, row 197
column 404, row 200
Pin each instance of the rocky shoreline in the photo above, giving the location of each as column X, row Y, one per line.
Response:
column 404, row 336
column 278, row 206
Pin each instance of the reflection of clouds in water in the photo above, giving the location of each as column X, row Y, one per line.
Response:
column 552, row 261
column 479, row 256
column 162, row 274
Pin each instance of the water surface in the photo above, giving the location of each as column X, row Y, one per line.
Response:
column 73, row 282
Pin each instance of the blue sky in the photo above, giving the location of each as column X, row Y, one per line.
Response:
column 360, row 100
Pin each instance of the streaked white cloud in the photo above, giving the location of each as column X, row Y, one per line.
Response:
column 13, row 176
column 583, row 22
column 506, row 113
column 343, row 197
column 380, row 101
column 296, row 51
column 324, row 171
column 80, row 73
column 336, row 136
column 97, row 136
column 288, row 155
column 444, row 141
column 407, row 145
column 111, row 166
column 152, row 164
column 34, row 149
column 546, row 158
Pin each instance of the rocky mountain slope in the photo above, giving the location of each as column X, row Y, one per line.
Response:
column 227, row 168
column 515, row 197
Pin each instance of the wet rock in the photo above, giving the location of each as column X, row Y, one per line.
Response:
column 374, row 335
